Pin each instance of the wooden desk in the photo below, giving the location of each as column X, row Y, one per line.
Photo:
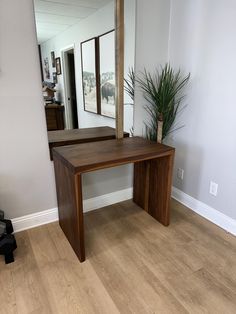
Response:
column 153, row 164
column 78, row 136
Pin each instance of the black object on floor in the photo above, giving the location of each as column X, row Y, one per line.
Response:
column 8, row 224
column 1, row 214
column 7, row 240
column 7, row 246
column 2, row 228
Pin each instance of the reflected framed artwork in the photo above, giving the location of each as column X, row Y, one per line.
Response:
column 58, row 65
column 46, row 69
column 107, row 73
column 54, row 76
column 89, row 75
column 53, row 59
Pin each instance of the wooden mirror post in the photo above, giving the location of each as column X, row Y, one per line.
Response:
column 119, row 43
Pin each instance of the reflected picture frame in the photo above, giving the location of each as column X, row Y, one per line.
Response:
column 107, row 73
column 53, row 60
column 58, row 65
column 98, row 74
column 54, row 77
column 90, row 75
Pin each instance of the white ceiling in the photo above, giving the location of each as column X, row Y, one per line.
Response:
column 55, row 16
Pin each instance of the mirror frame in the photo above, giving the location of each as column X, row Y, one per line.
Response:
column 119, row 60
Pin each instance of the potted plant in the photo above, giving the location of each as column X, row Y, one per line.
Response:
column 163, row 92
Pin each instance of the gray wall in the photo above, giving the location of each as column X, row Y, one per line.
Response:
column 202, row 41
column 152, row 35
column 199, row 37
column 26, row 175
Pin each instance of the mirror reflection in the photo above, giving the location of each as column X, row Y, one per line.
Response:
column 76, row 41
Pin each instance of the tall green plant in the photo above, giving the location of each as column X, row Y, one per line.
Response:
column 162, row 90
column 129, row 87
column 130, row 83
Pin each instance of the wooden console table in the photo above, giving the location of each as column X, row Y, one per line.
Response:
column 79, row 136
column 153, row 164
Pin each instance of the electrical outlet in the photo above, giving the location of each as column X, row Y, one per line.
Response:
column 180, row 174
column 213, row 188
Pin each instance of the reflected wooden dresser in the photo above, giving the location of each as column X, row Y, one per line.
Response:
column 54, row 117
column 79, row 136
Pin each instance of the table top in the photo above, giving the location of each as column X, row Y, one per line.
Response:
column 99, row 155
column 81, row 135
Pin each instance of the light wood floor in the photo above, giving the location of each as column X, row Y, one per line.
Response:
column 134, row 265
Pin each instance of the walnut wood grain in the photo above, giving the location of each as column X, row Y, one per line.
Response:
column 69, row 197
column 152, row 179
column 78, row 136
column 105, row 154
column 54, row 117
column 152, row 187
column 141, row 184
column 160, row 188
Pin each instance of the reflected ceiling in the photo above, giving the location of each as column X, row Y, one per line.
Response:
column 55, row 16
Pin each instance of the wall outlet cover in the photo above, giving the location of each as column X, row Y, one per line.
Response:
column 180, row 174
column 213, row 188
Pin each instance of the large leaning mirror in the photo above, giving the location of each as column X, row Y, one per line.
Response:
column 76, row 41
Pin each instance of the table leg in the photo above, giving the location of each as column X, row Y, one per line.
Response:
column 70, row 206
column 152, row 187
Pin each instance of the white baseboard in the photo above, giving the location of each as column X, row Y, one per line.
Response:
column 35, row 220
column 107, row 199
column 51, row 215
column 205, row 211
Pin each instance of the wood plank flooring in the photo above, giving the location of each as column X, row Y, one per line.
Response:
column 134, row 265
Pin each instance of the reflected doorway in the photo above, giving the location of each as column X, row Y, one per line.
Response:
column 71, row 112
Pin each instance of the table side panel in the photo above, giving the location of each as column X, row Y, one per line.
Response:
column 141, row 184
column 152, row 186
column 70, row 207
column 161, row 170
